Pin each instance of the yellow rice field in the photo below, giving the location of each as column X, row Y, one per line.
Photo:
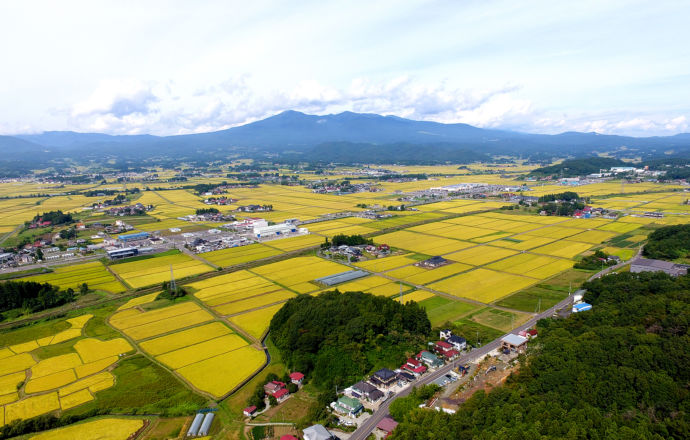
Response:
column 109, row 428
column 140, row 325
column 563, row 248
column 238, row 255
column 220, row 374
column 482, row 285
column 184, row 338
column 94, row 274
column 156, row 270
column 255, row 322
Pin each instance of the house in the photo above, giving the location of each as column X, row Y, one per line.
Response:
column 442, row 346
column 458, row 342
column 430, row 359
column 450, row 355
column 296, row 378
column 318, row 432
column 348, row 405
column 385, row 377
column 387, row 425
column 277, row 390
column 532, row 333
column 406, row 377
column 514, row 343
column 367, row 390
column 281, row 394
column 613, row 258
column 250, row 411
column 647, row 265
column 414, row 366
column 434, row 262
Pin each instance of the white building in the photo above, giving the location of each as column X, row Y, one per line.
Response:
column 273, row 230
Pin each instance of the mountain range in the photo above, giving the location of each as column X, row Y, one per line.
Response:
column 334, row 137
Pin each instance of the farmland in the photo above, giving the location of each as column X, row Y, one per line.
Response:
column 103, row 429
column 93, row 274
column 151, row 353
column 29, row 388
column 156, row 270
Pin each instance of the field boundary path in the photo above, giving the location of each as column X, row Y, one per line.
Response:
column 369, row 425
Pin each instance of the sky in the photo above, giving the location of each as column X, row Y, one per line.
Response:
column 175, row 67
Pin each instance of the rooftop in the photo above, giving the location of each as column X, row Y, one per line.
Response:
column 387, row 424
column 385, row 374
column 514, row 339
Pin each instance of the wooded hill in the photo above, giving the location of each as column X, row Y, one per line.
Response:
column 337, row 338
column 668, row 243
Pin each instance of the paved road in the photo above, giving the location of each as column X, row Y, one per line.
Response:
column 370, row 424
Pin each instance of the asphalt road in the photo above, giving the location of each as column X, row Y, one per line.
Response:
column 370, row 424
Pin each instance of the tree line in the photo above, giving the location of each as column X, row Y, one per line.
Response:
column 31, row 296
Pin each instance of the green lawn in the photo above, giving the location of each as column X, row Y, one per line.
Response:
column 528, row 300
column 470, row 329
column 441, row 310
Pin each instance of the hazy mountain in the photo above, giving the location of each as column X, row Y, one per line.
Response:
column 293, row 132
column 74, row 139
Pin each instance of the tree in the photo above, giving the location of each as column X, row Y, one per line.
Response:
column 83, row 288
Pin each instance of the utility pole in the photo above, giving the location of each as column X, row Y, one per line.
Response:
column 401, row 295
column 173, row 287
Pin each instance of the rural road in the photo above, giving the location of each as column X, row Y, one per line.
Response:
column 369, row 425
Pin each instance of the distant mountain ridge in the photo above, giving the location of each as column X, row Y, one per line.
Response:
column 293, row 132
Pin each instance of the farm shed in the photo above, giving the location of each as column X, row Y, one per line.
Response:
column 342, row 277
column 133, row 237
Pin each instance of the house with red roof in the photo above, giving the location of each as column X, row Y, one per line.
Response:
column 296, row 378
column 281, row 394
column 250, row 411
column 276, row 389
column 387, row 425
column 414, row 366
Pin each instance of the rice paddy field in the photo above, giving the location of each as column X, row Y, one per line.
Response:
column 238, row 255
column 94, row 274
column 109, row 428
column 502, row 267
column 155, row 270
column 31, row 385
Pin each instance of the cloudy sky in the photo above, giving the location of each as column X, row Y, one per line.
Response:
column 169, row 67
